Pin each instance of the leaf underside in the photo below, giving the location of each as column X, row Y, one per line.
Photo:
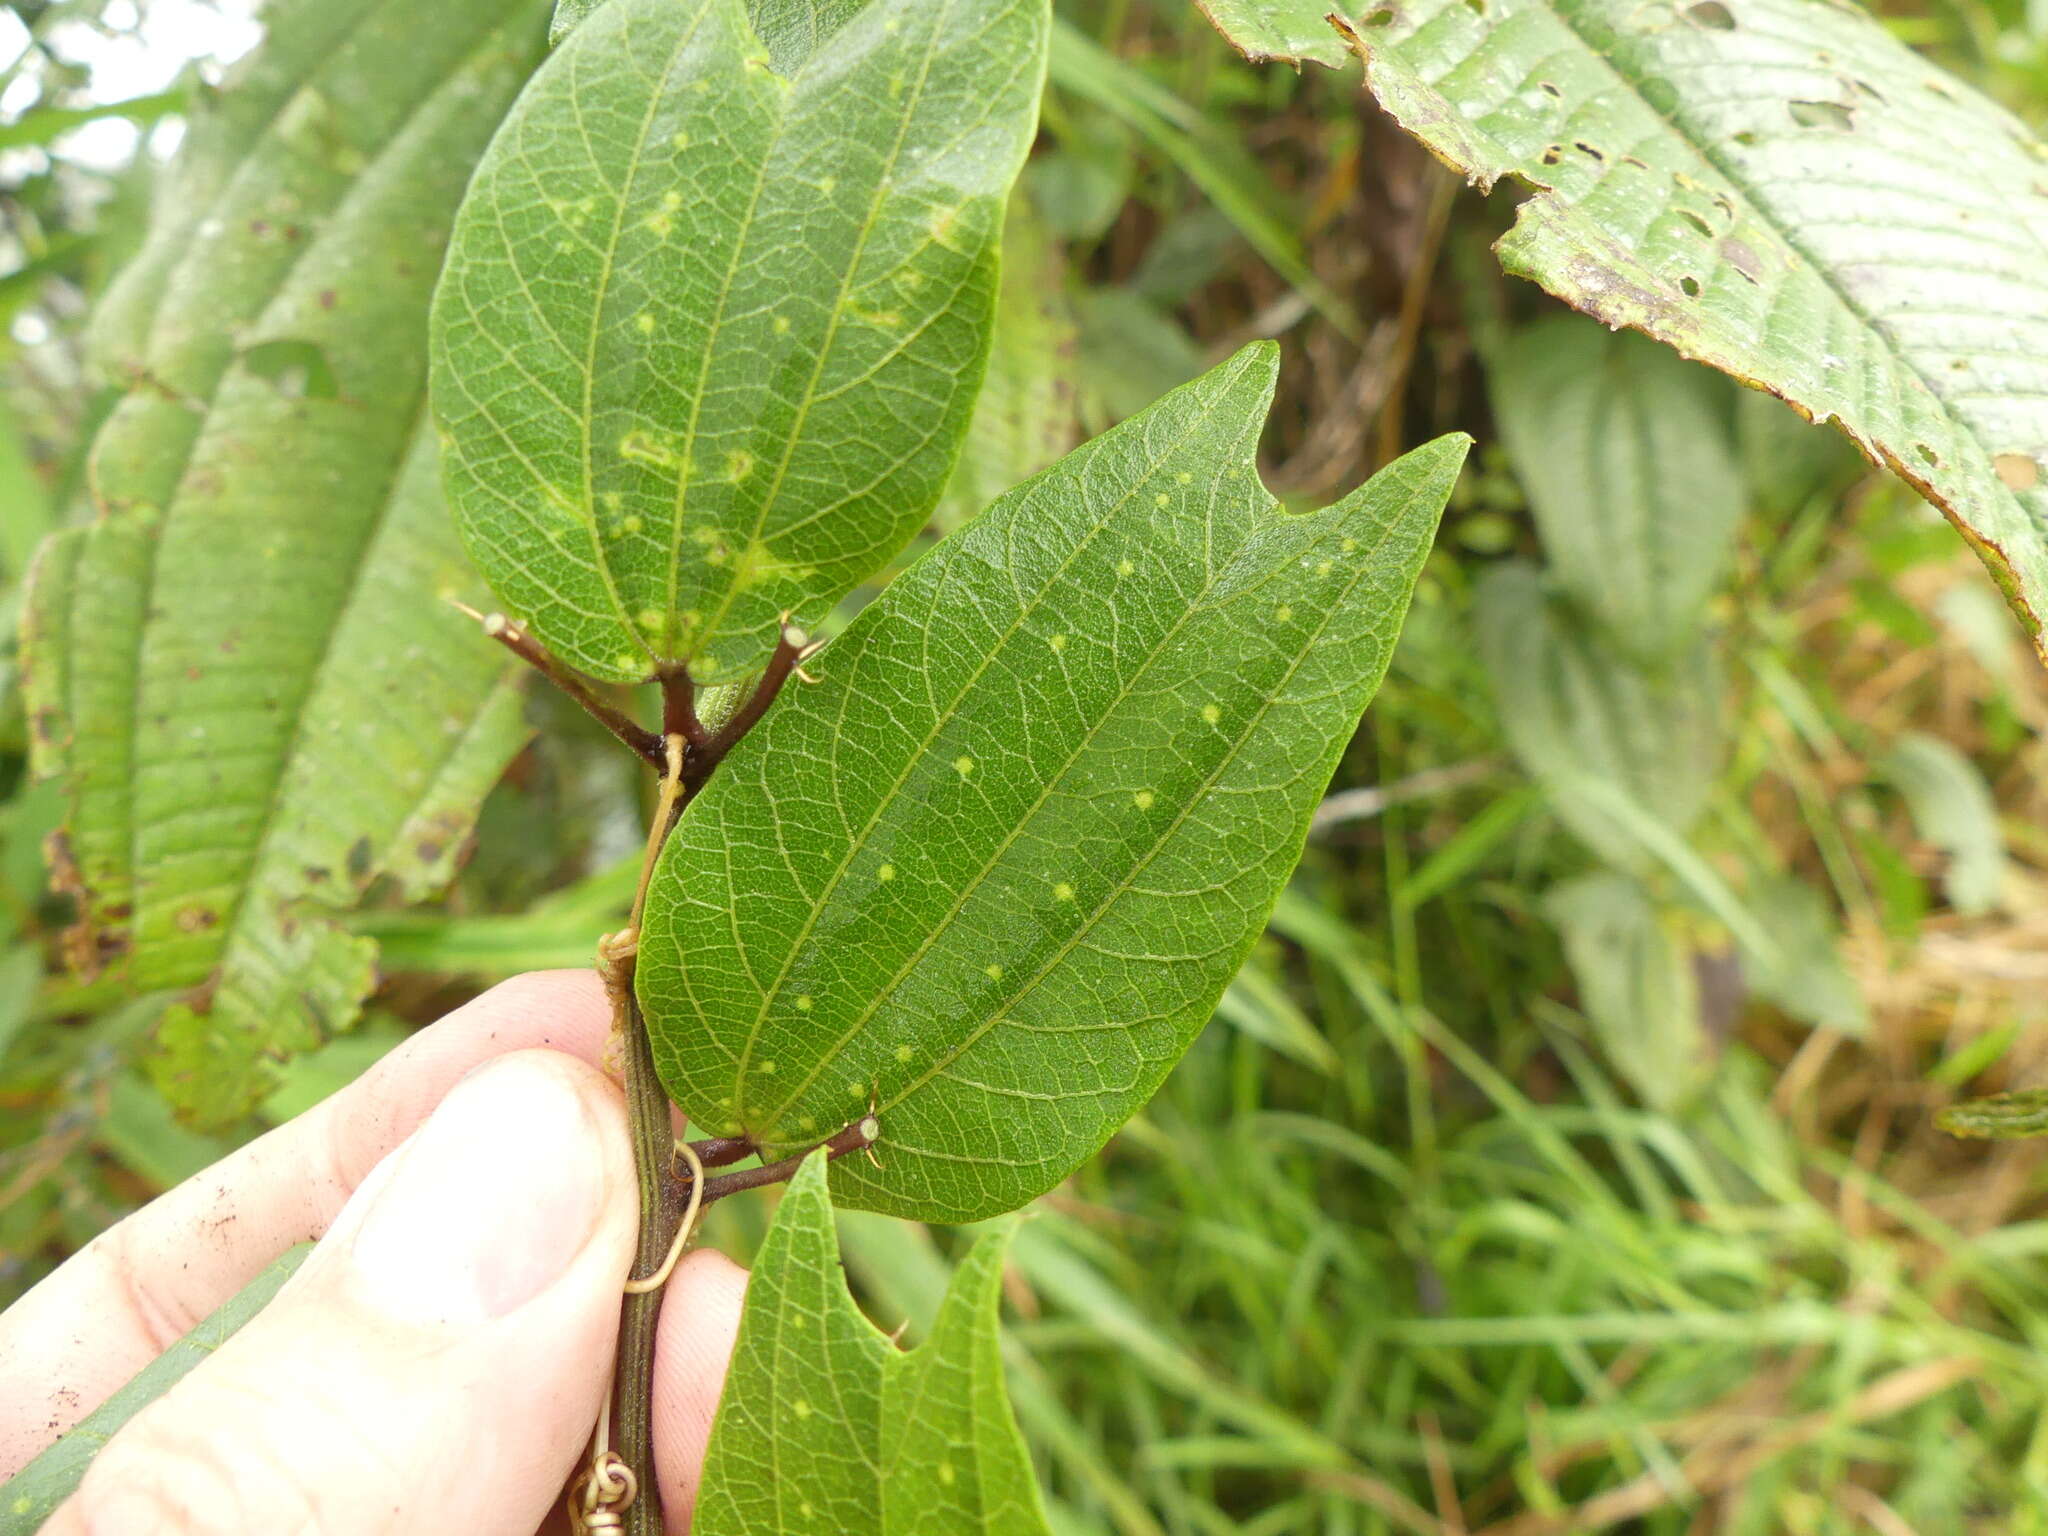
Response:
column 1776, row 187
column 993, row 871
column 825, row 1427
column 243, row 671
column 709, row 334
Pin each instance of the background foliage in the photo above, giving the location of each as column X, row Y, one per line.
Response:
column 1564, row 1158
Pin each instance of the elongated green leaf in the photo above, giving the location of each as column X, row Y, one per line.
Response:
column 1635, row 983
column 1590, row 725
column 243, row 672
column 2001, row 1117
column 1952, row 808
column 882, row 1442
column 995, row 869
column 1026, row 415
column 1776, row 187
column 1625, row 452
column 32, row 1495
column 709, row 335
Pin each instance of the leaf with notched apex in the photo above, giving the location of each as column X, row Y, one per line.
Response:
column 996, row 867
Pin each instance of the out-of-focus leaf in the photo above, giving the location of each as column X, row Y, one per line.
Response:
column 244, row 673
column 709, row 334
column 1786, row 459
column 1026, row 415
column 32, row 1495
column 1061, row 768
column 1952, row 808
column 1780, row 188
column 139, row 1132
column 825, row 1429
column 1579, row 715
column 2001, row 1117
column 1132, row 352
column 21, row 972
column 1804, row 973
column 1636, row 983
column 1259, row 1006
column 1623, row 448
column 1212, row 159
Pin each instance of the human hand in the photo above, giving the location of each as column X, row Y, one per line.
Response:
column 437, row 1362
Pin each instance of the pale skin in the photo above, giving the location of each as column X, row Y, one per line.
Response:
column 437, row 1363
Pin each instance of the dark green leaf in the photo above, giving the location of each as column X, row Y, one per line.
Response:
column 994, row 870
column 709, row 335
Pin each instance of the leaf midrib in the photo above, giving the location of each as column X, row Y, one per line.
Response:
column 941, row 718
column 867, row 230
column 1267, row 703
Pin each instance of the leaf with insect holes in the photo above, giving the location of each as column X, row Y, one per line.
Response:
column 889, row 1443
column 994, row 870
column 1781, row 188
column 709, row 333
column 243, row 673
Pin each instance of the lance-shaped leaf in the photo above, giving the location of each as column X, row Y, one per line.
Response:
column 709, row 334
column 1627, row 457
column 243, row 671
column 1777, row 187
column 993, row 871
column 885, row 1443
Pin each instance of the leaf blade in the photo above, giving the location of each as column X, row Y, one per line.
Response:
column 1062, row 774
column 1817, row 212
column 731, row 380
column 257, row 614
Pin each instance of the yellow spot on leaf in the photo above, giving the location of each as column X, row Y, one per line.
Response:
column 993, row 972
column 904, row 1053
column 644, row 323
column 1161, row 499
column 1142, row 799
column 886, row 873
column 803, row 1004
column 963, row 765
column 1124, row 567
column 1058, row 642
column 1063, row 892
column 1211, row 713
column 1282, row 614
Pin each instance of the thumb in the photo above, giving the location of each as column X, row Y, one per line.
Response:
column 437, row 1363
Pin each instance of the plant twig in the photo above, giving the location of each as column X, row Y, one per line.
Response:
column 857, row 1137
column 792, row 645
column 645, row 743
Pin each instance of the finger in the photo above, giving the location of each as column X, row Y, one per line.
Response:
column 700, row 1318
column 116, row 1304
column 437, row 1363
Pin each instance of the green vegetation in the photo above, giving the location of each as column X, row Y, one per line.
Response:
column 1606, row 1131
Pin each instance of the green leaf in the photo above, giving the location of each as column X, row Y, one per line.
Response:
column 1625, row 453
column 1583, row 719
column 2001, row 1117
column 895, row 1444
column 1805, row 976
column 32, row 1495
column 1952, row 808
column 995, row 869
column 1026, row 415
column 243, row 672
column 1779, row 188
column 709, row 335
column 1636, row 983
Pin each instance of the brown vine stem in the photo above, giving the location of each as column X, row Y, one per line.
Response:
column 689, row 753
column 645, row 743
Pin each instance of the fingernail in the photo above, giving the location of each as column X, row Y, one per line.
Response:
column 488, row 1204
